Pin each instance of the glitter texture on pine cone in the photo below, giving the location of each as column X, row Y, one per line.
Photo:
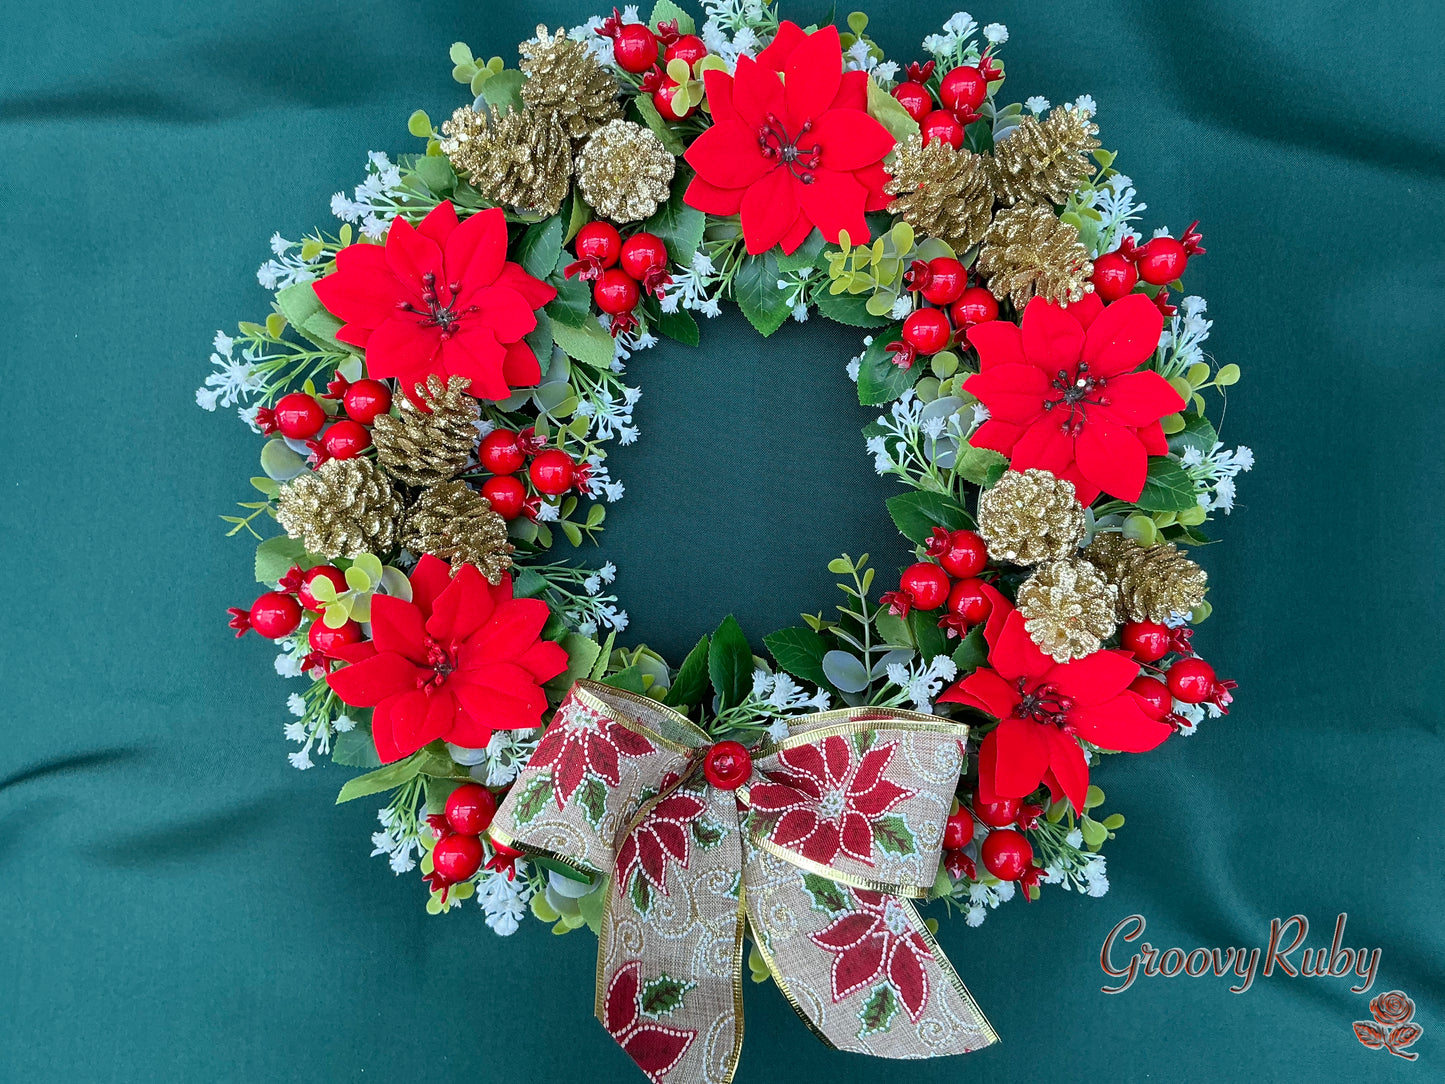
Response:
column 456, row 523
column 432, row 440
column 1031, row 516
column 624, row 172
column 1068, row 608
column 1155, row 582
column 523, row 160
column 941, row 192
column 344, row 508
column 1029, row 252
column 1045, row 161
column 565, row 80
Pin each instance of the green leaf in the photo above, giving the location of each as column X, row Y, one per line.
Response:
column 679, row 225
column 1168, row 487
column 582, row 653
column 604, row 657
column 1094, row 833
column 539, row 247
column 532, row 798
column 730, row 663
column 460, row 53
column 298, row 303
column 419, row 124
column 887, row 111
column 1197, row 433
column 892, row 835
column 800, row 652
column 980, row 465
column 386, row 778
column 629, row 680
column 805, row 255
column 321, row 329
column 680, row 326
column 850, row 309
column 916, row 513
column 592, row 799
column 755, row 289
column 436, row 173
column 275, row 556
column 572, row 305
column 504, row 90
column 828, row 896
column 972, row 651
column 879, row 380
column 932, row 641
column 663, row 995
column 1093, row 797
column 589, row 344
column 653, row 119
column 592, row 905
column 691, row 684
column 355, row 749
column 1114, row 821
column 978, row 137
column 878, row 1011
column 664, row 11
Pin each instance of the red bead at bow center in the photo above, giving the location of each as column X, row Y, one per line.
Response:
column 727, row 765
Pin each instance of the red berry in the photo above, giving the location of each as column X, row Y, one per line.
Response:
column 1006, row 854
column 456, row 858
column 927, row 330
column 346, row 439
column 915, row 99
column 553, row 472
column 1148, row 640
column 366, row 400
column 963, row 89
column 976, row 305
column 941, row 124
column 689, row 47
column 275, row 615
column 501, row 452
column 506, row 495
column 958, row 829
column 1114, row 276
column 641, row 253
column 634, row 47
column 329, row 572
column 997, row 814
column 728, row 765
column 470, row 809
column 1191, row 680
column 616, row 292
column 925, row 584
column 1162, row 261
column 662, row 99
column 946, row 280
column 1155, row 695
column 299, row 415
column 598, row 241
column 969, row 601
column 327, row 640
column 961, row 553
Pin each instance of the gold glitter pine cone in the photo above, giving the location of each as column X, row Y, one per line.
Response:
column 453, row 521
column 1028, row 252
column 624, row 172
column 941, row 192
column 565, row 80
column 1045, row 161
column 1030, row 517
column 1155, row 582
column 433, row 438
column 523, row 160
column 344, row 508
column 1068, row 608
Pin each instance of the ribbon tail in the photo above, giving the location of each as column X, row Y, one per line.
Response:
column 859, row 966
column 670, row 947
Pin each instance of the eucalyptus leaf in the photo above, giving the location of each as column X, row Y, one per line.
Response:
column 280, row 462
column 845, row 672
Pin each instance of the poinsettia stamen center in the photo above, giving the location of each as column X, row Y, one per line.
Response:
column 439, row 663
column 438, row 313
column 1044, row 704
column 1074, row 392
column 777, row 144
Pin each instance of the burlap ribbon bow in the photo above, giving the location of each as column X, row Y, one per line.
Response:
column 836, row 827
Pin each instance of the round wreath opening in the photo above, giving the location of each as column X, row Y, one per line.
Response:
column 437, row 387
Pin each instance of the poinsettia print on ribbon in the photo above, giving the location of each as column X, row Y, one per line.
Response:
column 876, row 948
column 633, row 1015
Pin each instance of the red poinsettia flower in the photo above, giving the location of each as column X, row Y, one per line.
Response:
column 792, row 145
column 440, row 298
column 664, row 836
column 582, row 742
column 655, row 1047
column 876, row 940
column 461, row 659
column 1044, row 708
column 1062, row 393
column 829, row 802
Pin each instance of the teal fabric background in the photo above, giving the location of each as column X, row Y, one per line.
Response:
column 177, row 903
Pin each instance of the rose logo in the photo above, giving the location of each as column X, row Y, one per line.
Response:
column 1392, row 1028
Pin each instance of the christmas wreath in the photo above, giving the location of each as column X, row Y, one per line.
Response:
column 438, row 383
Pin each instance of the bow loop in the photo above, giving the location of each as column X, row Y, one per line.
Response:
column 838, row 824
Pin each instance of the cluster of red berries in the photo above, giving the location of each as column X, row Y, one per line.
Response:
column 951, row 306
column 949, row 582
column 504, row 452
column 1006, row 851
column 458, row 852
column 1158, row 262
column 1189, row 679
column 620, row 271
column 299, row 416
column 278, row 613
column 638, row 49
column 959, row 95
